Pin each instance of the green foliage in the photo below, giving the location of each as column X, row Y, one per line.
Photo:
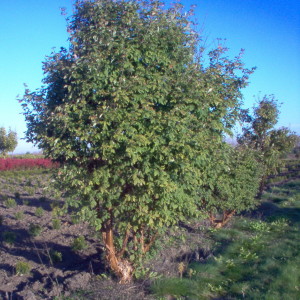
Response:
column 133, row 116
column 34, row 229
column 259, row 134
column 19, row 215
column 56, row 224
column 232, row 182
column 39, row 212
column 55, row 256
column 9, row 237
column 22, row 268
column 25, row 202
column 79, row 244
column 8, row 141
column 255, row 259
column 10, row 203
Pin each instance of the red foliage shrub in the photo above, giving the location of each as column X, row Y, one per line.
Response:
column 25, row 163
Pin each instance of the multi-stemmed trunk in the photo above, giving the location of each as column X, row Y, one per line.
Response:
column 227, row 215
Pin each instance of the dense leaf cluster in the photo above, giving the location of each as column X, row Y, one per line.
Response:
column 260, row 134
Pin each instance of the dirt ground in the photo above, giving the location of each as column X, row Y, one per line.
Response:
column 56, row 269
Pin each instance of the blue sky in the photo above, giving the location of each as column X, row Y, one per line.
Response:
column 268, row 30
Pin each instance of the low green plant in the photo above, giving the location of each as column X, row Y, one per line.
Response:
column 10, row 203
column 55, row 256
column 17, row 195
column 56, row 224
column 79, row 244
column 19, row 215
column 34, row 229
column 9, row 237
column 75, row 219
column 25, row 202
column 39, row 212
column 260, row 226
column 1, row 220
column 22, row 268
column 30, row 191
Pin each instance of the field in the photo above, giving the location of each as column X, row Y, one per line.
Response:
column 48, row 256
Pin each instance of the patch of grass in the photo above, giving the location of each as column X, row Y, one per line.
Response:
column 55, row 256
column 22, row 268
column 25, row 202
column 255, row 259
column 19, row 215
column 79, row 244
column 9, row 237
column 75, row 219
column 39, row 212
column 10, row 203
column 56, row 224
column 34, row 229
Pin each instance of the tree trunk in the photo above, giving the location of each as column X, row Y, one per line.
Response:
column 227, row 215
column 121, row 267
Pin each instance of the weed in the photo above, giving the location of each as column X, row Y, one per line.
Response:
column 30, row 191
column 22, row 268
column 25, row 202
column 39, row 212
column 56, row 224
column 55, row 256
column 260, row 226
column 10, row 203
column 9, row 237
column 17, row 195
column 75, row 219
column 1, row 220
column 79, row 244
column 19, row 215
column 34, row 229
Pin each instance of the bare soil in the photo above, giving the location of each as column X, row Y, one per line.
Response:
column 49, row 278
column 26, row 198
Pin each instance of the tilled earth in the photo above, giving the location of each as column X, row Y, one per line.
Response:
column 57, row 269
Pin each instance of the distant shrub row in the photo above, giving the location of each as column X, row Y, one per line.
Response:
column 25, row 163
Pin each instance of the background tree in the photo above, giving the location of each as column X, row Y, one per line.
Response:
column 133, row 115
column 232, row 183
column 8, row 141
column 260, row 135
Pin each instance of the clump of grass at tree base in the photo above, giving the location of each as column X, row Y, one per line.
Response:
column 257, row 261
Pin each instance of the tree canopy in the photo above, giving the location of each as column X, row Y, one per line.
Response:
column 260, row 134
column 133, row 116
column 8, row 141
